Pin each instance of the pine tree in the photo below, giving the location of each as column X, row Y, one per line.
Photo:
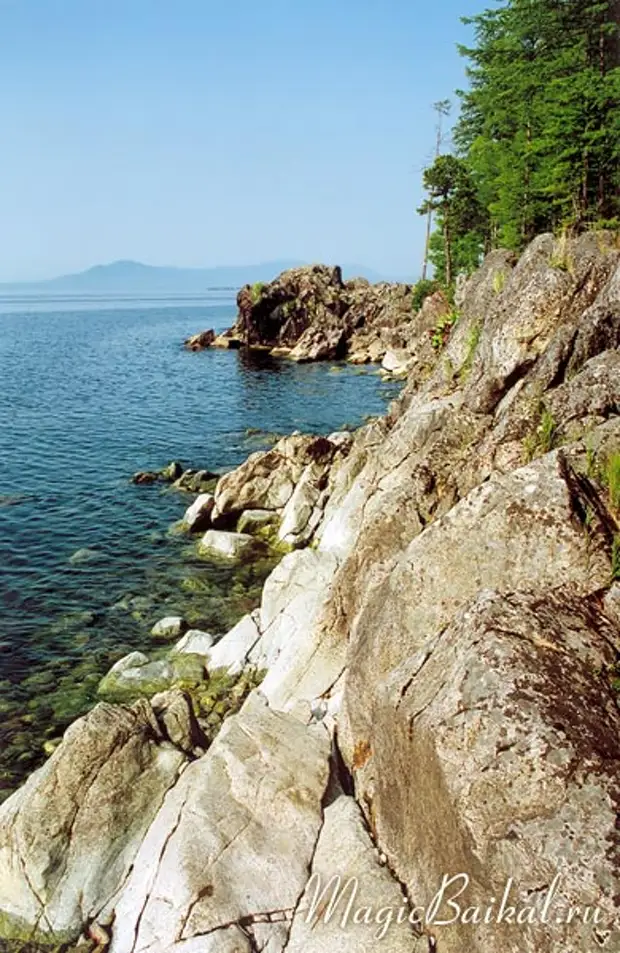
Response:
column 539, row 131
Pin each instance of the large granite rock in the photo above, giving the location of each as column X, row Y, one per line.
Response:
column 197, row 517
column 69, row 836
column 200, row 341
column 135, row 676
column 228, row 854
column 298, row 651
column 233, row 650
column 494, row 752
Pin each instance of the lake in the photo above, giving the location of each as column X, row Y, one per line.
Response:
column 93, row 390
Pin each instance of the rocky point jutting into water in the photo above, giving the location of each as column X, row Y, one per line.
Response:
column 429, row 686
column 311, row 314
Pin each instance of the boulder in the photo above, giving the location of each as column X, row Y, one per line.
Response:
column 171, row 627
column 303, row 512
column 172, row 472
column 135, row 676
column 231, row 847
column 145, row 477
column 318, row 344
column 232, row 651
column 194, row 642
column 175, row 715
column 69, row 836
column 169, row 474
column 196, row 481
column 200, row 341
column 198, row 516
column 267, row 479
column 230, row 546
column 397, row 362
column 253, row 521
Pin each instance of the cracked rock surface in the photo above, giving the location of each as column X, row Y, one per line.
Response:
column 441, row 659
column 229, row 851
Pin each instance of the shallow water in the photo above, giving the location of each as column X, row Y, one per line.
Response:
column 92, row 391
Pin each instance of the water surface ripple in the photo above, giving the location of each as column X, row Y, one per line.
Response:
column 90, row 392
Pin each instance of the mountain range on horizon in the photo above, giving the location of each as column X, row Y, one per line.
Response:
column 133, row 277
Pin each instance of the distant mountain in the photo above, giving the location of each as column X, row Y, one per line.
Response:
column 133, row 277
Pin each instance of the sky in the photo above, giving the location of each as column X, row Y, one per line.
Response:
column 210, row 132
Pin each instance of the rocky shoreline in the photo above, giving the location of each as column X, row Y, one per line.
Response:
column 430, row 685
column 311, row 314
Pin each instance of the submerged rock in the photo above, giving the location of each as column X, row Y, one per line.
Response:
column 145, row 477
column 171, row 627
column 84, row 555
column 196, row 481
column 135, row 676
column 253, row 521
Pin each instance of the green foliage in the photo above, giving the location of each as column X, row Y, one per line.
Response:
column 421, row 291
column 257, row 291
column 543, row 438
column 473, row 340
column 538, row 138
column 499, row 281
column 457, row 245
column 440, row 334
column 561, row 254
column 612, row 481
column 547, row 431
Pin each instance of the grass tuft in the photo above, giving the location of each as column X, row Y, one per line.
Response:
column 612, row 481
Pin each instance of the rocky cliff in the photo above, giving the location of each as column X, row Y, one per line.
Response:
column 438, row 652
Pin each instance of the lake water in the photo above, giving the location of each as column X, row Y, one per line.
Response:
column 91, row 391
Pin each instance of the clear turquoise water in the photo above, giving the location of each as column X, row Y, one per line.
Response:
column 91, row 391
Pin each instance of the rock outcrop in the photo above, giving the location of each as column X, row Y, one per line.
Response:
column 439, row 659
column 200, row 341
column 311, row 314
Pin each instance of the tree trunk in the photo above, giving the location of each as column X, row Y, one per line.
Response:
column 448, row 246
column 427, row 243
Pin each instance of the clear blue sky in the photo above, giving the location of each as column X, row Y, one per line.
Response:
column 210, row 132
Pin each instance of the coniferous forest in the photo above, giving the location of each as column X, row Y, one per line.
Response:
column 537, row 142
